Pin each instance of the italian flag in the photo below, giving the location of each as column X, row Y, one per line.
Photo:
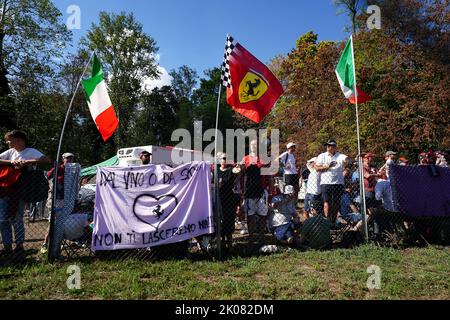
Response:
column 345, row 74
column 100, row 105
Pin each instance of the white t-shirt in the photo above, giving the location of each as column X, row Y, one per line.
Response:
column 288, row 163
column 25, row 154
column 333, row 175
column 313, row 185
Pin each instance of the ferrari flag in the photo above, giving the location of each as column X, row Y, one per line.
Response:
column 252, row 89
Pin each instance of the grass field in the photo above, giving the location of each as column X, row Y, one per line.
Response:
column 416, row 273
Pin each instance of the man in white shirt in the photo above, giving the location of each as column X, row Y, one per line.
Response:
column 331, row 165
column 290, row 172
column 18, row 156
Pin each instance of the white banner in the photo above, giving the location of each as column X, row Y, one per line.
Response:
column 151, row 205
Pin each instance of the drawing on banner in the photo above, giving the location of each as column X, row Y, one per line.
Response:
column 153, row 210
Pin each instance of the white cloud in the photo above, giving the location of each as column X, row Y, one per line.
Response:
column 164, row 80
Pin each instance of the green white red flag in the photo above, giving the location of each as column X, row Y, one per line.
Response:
column 345, row 74
column 99, row 103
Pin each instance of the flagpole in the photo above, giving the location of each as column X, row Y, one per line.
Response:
column 55, row 168
column 360, row 163
column 216, row 182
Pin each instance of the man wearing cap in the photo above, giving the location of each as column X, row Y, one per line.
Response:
column 67, row 157
column 145, row 157
column 391, row 157
column 287, row 161
column 331, row 165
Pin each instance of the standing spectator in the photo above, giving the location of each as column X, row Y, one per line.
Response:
column 67, row 157
column 312, row 197
column 383, row 192
column 391, row 158
column 145, row 157
column 19, row 156
column 403, row 161
column 290, row 172
column 331, row 165
column 228, row 199
column 423, row 158
column 255, row 195
column 370, row 179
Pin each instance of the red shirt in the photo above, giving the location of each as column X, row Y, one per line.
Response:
column 60, row 178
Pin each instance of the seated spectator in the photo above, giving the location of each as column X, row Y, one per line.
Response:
column 316, row 233
column 349, row 211
column 282, row 210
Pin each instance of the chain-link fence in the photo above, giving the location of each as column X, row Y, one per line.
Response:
column 320, row 207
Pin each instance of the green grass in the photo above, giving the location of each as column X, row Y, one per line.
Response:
column 416, row 273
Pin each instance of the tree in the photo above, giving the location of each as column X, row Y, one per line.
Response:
column 184, row 81
column 128, row 58
column 352, row 8
column 156, row 120
column 407, row 77
column 32, row 39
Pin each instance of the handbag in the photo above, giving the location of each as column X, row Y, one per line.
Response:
column 33, row 185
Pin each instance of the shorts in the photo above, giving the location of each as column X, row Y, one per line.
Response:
column 312, row 201
column 332, row 193
column 255, row 207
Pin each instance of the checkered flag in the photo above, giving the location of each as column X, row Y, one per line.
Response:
column 226, row 76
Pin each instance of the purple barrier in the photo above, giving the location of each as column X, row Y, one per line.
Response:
column 421, row 191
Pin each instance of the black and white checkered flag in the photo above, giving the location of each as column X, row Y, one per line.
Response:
column 229, row 47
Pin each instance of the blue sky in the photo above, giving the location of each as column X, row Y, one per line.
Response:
column 192, row 32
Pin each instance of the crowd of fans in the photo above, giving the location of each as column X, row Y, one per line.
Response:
column 333, row 199
column 251, row 202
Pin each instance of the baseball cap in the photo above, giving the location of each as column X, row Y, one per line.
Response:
column 288, row 189
column 390, row 153
column 67, row 155
column 290, row 145
column 331, row 142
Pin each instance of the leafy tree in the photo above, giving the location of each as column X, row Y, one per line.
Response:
column 32, row 39
column 184, row 81
column 128, row 58
column 156, row 120
column 352, row 8
column 406, row 76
